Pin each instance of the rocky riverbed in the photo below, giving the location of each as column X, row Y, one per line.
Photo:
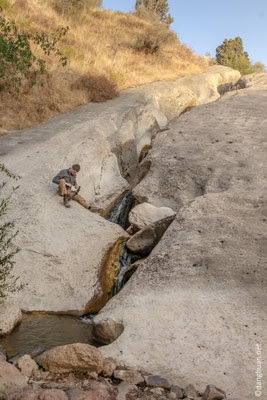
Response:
column 79, row 372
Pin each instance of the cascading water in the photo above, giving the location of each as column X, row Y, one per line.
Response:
column 126, row 259
column 120, row 211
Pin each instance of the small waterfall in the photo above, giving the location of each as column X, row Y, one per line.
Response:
column 120, row 210
column 126, row 259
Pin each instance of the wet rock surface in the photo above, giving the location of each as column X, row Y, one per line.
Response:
column 200, row 294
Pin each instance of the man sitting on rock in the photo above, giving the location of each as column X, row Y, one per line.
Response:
column 65, row 179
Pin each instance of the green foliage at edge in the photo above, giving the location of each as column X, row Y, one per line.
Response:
column 8, row 282
column 17, row 61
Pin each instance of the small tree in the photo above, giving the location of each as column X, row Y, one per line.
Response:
column 8, row 282
column 231, row 54
column 160, row 7
column 17, row 61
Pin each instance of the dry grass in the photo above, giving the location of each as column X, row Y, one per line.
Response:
column 99, row 43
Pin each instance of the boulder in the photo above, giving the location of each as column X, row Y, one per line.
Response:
column 129, row 376
column 78, row 357
column 11, row 380
column 107, row 330
column 147, row 238
column 146, row 214
column 199, row 298
column 10, row 317
column 27, row 365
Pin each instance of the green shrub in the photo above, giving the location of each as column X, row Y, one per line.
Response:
column 8, row 282
column 17, row 61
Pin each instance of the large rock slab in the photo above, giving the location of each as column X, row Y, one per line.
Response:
column 195, row 308
column 10, row 317
column 63, row 250
column 77, row 357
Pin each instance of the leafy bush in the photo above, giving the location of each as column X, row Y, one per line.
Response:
column 8, row 282
column 17, row 61
column 70, row 7
column 98, row 88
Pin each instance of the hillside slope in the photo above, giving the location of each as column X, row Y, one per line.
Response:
column 100, row 43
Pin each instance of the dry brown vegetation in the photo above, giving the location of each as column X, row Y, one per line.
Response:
column 100, row 43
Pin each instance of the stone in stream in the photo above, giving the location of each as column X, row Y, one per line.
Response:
column 146, row 239
column 11, row 380
column 107, row 331
column 129, row 376
column 212, row 392
column 27, row 365
column 77, row 357
column 146, row 214
column 10, row 317
column 158, row 381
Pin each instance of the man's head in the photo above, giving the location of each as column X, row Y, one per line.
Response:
column 74, row 169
